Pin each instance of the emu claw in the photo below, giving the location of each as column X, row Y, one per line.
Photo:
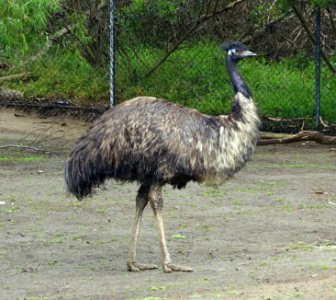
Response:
column 137, row 267
column 168, row 268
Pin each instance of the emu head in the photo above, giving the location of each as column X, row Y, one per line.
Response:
column 236, row 50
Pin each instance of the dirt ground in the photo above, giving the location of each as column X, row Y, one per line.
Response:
column 267, row 234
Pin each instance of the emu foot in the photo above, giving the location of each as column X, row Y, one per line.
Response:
column 168, row 268
column 137, row 267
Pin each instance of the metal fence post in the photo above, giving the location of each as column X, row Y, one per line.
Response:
column 112, row 54
column 317, row 64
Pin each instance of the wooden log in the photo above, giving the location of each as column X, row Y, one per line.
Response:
column 302, row 136
column 19, row 76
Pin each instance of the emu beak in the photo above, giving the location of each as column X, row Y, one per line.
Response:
column 247, row 53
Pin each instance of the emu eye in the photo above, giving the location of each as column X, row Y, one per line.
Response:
column 232, row 52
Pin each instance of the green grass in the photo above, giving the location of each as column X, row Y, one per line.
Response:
column 147, row 298
column 65, row 74
column 300, row 246
column 34, row 158
column 319, row 267
column 194, row 76
column 178, row 236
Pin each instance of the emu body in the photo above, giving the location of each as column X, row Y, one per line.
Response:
column 155, row 142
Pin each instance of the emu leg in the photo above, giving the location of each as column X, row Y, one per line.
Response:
column 156, row 201
column 141, row 202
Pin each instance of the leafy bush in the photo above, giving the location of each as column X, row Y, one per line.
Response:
column 23, row 24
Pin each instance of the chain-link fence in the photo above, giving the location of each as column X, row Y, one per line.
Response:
column 169, row 49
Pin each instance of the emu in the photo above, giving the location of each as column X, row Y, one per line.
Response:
column 154, row 142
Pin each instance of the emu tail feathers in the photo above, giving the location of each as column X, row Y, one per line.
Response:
column 83, row 171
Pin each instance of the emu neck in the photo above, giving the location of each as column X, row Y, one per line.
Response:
column 236, row 79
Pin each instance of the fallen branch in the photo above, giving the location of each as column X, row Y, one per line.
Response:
column 302, row 136
column 49, row 43
column 14, row 77
column 25, row 147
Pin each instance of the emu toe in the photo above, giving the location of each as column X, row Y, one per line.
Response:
column 137, row 267
column 168, row 268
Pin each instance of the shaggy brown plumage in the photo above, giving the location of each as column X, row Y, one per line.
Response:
column 155, row 142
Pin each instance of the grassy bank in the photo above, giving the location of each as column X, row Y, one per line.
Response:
column 194, row 76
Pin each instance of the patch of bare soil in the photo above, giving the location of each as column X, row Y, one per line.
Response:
column 267, row 234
